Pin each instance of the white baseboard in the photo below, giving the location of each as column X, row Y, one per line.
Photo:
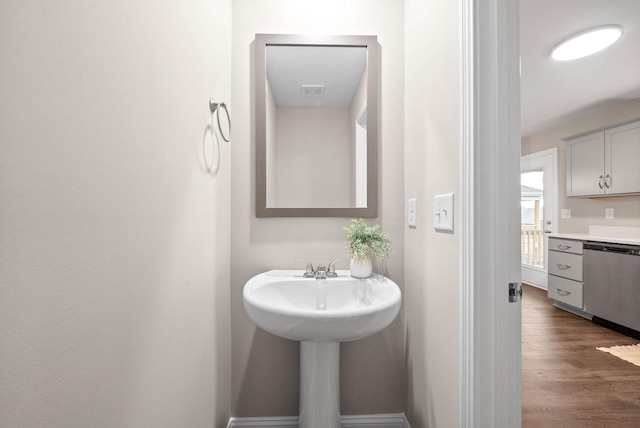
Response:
column 389, row 420
column 284, row 421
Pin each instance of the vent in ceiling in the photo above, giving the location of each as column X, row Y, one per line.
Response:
column 312, row 90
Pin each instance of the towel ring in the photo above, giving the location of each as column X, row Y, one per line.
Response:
column 215, row 108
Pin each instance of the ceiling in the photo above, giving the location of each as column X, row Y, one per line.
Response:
column 552, row 92
column 555, row 92
column 337, row 70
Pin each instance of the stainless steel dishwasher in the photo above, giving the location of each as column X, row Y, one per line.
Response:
column 612, row 283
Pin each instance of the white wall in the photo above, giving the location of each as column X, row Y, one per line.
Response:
column 432, row 298
column 271, row 113
column 586, row 212
column 265, row 368
column 313, row 157
column 357, row 148
column 114, row 240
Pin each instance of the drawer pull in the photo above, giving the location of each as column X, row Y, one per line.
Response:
column 563, row 292
column 563, row 266
column 563, row 247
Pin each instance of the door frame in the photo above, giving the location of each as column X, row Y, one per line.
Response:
column 549, row 158
column 490, row 326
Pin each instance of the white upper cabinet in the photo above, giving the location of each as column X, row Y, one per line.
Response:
column 604, row 162
column 622, row 158
column 585, row 165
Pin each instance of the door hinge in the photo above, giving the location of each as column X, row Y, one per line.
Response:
column 515, row 292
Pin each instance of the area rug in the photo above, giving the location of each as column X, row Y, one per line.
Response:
column 630, row 353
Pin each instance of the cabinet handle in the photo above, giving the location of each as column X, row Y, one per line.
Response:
column 607, row 181
column 563, row 266
column 563, row 292
column 600, row 181
column 563, row 247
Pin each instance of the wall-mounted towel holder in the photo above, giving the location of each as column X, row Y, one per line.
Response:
column 215, row 108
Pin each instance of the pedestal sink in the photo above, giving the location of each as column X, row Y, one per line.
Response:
column 320, row 313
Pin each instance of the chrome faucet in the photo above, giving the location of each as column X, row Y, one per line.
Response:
column 322, row 272
column 309, row 272
column 332, row 269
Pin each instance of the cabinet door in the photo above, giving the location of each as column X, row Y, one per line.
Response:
column 585, row 165
column 622, row 168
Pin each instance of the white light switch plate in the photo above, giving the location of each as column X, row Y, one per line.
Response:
column 412, row 215
column 608, row 214
column 443, row 213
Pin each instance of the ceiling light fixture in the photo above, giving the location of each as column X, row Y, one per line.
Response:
column 587, row 43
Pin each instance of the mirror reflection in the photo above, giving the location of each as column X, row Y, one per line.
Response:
column 316, row 126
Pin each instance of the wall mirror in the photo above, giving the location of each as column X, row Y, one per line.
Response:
column 316, row 100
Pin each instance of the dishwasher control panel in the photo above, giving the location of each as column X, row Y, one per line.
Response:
column 632, row 250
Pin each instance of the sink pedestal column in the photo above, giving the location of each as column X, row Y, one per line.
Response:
column 319, row 384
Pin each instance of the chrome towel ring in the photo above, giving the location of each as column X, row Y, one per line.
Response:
column 215, row 108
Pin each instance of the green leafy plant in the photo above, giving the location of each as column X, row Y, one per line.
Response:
column 362, row 238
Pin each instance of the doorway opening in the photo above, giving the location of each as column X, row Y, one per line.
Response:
column 538, row 213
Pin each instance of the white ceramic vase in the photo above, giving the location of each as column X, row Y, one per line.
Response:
column 361, row 268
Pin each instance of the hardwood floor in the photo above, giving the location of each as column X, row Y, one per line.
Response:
column 566, row 381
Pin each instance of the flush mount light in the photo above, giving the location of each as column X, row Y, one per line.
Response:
column 587, row 42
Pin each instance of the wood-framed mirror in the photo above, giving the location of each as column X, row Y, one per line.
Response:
column 316, row 126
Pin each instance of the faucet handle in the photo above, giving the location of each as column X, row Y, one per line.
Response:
column 331, row 270
column 309, row 272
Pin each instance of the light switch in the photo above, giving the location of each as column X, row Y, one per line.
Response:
column 608, row 213
column 412, row 220
column 443, row 213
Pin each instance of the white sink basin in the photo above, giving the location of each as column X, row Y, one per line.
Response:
column 320, row 313
column 340, row 309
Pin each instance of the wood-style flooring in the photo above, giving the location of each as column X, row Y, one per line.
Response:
column 566, row 381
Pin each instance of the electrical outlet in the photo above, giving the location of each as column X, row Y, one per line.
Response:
column 608, row 214
column 565, row 213
column 412, row 216
column 443, row 213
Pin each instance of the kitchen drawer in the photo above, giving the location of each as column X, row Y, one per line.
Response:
column 566, row 265
column 565, row 245
column 565, row 291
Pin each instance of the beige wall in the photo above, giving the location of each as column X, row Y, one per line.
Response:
column 432, row 111
column 586, row 212
column 313, row 157
column 114, row 240
column 266, row 368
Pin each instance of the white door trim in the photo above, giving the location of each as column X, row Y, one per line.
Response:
column 467, row 379
column 490, row 357
column 548, row 159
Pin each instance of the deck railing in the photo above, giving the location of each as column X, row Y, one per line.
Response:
column 532, row 246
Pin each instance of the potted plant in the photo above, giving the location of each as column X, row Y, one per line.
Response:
column 362, row 240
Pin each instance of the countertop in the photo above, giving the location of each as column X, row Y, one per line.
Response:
column 596, row 238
